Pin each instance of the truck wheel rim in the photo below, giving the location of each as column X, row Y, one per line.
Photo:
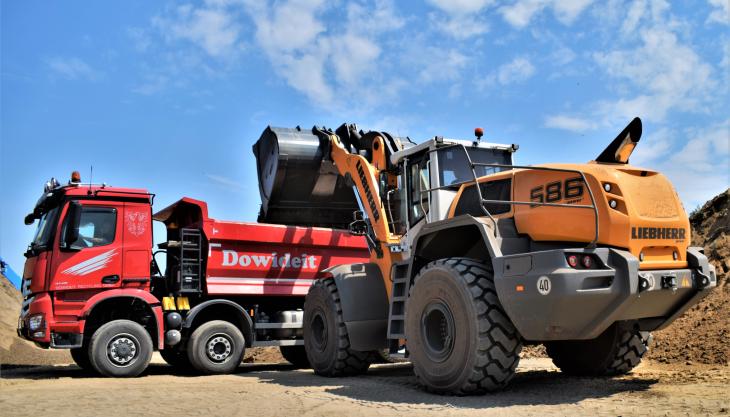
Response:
column 319, row 331
column 219, row 347
column 123, row 349
column 437, row 330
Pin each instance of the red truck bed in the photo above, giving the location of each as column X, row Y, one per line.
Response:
column 264, row 259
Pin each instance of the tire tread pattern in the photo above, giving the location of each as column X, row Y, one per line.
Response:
column 348, row 361
column 499, row 344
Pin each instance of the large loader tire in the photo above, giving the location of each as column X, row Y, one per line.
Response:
column 325, row 335
column 459, row 338
column 296, row 355
column 616, row 351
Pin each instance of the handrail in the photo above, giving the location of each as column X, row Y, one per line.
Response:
column 484, row 201
column 593, row 242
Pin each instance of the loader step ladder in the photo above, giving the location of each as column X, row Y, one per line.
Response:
column 399, row 294
column 190, row 261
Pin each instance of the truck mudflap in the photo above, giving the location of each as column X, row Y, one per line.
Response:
column 547, row 299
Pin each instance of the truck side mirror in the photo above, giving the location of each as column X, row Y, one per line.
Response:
column 359, row 226
column 71, row 231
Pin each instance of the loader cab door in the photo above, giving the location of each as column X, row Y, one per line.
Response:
column 418, row 181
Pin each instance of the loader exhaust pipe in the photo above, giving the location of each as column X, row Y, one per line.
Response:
column 620, row 149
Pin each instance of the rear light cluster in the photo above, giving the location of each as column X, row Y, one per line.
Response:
column 583, row 261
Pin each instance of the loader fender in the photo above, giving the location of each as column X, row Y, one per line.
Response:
column 462, row 236
column 364, row 304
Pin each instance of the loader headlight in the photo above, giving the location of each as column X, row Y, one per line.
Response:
column 35, row 322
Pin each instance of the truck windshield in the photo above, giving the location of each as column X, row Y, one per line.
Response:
column 44, row 232
column 454, row 166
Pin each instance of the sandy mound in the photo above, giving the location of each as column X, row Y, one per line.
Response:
column 14, row 350
column 702, row 333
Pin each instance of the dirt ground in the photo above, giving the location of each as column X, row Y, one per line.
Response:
column 386, row 390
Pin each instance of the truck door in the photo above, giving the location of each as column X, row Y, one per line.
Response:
column 94, row 260
column 137, row 233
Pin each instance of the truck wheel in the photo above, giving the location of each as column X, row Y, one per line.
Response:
column 176, row 358
column 216, row 347
column 81, row 357
column 616, row 351
column 325, row 336
column 120, row 348
column 296, row 355
column 459, row 338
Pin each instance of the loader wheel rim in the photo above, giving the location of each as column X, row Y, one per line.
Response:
column 438, row 330
column 219, row 347
column 122, row 349
column 319, row 331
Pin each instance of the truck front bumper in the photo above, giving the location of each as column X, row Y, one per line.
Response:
column 38, row 325
column 546, row 299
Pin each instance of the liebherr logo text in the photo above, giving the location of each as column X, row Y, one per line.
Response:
column 368, row 192
column 658, row 233
column 286, row 260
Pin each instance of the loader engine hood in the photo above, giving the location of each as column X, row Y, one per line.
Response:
column 638, row 210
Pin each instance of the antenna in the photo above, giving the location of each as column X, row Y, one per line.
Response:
column 91, row 177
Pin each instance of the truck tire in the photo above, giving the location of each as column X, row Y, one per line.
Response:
column 296, row 355
column 459, row 338
column 176, row 358
column 616, row 351
column 81, row 357
column 120, row 348
column 216, row 347
column 325, row 335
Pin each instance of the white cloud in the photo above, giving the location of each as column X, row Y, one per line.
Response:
column 671, row 74
column 460, row 19
column 696, row 161
column 460, row 27
column 636, row 12
column 521, row 12
column 520, row 69
column 439, row 64
column 516, row 71
column 461, row 7
column 72, row 68
column 566, row 11
column 720, row 12
column 317, row 57
column 211, row 27
column 569, row 123
column 653, row 146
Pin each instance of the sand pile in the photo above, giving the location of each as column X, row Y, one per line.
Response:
column 13, row 349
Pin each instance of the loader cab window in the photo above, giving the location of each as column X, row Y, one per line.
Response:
column 97, row 227
column 454, row 166
column 418, row 182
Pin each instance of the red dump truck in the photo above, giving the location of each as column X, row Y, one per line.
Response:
column 91, row 282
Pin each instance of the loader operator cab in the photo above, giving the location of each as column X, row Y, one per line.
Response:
column 431, row 174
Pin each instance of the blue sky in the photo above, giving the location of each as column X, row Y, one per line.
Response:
column 171, row 96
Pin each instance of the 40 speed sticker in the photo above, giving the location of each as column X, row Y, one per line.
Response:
column 544, row 285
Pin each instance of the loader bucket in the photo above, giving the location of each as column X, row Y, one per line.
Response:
column 298, row 186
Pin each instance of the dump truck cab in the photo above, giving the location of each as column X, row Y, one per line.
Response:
column 91, row 241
